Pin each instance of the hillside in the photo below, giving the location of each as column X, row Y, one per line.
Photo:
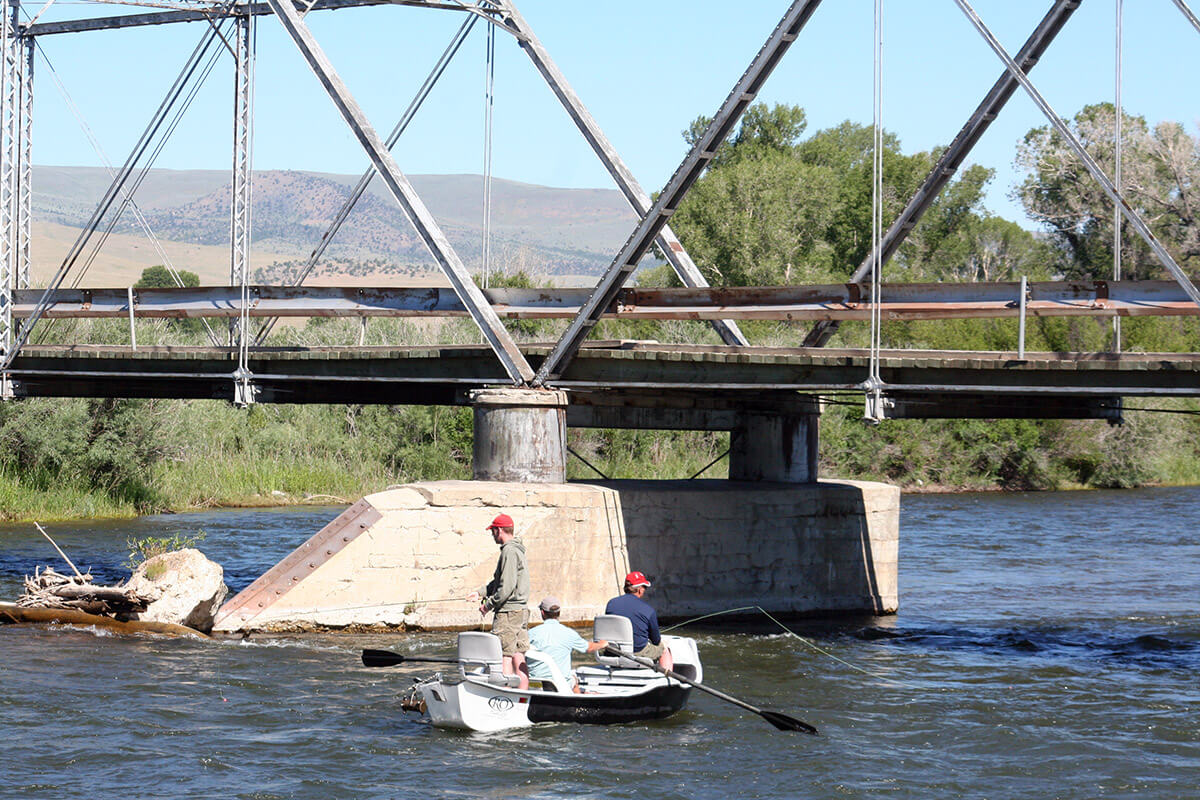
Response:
column 542, row 230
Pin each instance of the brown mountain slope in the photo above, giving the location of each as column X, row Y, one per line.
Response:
column 542, row 229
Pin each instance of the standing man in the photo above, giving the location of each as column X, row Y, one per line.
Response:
column 506, row 595
column 558, row 641
column 647, row 642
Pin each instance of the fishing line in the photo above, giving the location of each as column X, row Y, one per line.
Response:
column 795, row 635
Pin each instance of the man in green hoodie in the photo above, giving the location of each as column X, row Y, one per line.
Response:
column 507, row 595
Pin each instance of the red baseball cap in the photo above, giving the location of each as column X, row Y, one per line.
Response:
column 636, row 579
column 502, row 521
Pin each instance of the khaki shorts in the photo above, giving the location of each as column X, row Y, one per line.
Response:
column 513, row 629
column 651, row 651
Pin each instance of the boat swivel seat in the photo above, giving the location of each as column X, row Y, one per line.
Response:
column 479, row 649
column 617, row 631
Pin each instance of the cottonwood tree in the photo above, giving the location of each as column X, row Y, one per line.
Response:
column 1160, row 179
column 774, row 208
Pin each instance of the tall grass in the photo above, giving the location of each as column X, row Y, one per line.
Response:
column 91, row 458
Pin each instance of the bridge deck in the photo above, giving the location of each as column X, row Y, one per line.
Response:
column 930, row 382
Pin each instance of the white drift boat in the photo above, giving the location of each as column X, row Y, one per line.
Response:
column 621, row 687
column 480, row 697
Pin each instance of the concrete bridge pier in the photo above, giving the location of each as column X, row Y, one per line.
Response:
column 771, row 535
column 520, row 435
column 775, row 446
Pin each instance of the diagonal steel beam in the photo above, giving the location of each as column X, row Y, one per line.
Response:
column 363, row 182
column 667, row 241
column 489, row 323
column 1132, row 216
column 1187, row 12
column 955, row 153
column 694, row 164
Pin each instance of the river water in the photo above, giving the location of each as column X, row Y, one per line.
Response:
column 1048, row 646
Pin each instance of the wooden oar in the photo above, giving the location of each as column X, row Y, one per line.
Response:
column 781, row 721
column 386, row 658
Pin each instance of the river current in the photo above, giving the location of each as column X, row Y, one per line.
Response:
column 1047, row 646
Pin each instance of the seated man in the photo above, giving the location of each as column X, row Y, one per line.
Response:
column 646, row 640
column 557, row 641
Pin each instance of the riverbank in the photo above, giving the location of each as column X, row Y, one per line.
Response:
column 72, row 459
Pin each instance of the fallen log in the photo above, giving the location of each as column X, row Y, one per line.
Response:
column 112, row 594
column 11, row 614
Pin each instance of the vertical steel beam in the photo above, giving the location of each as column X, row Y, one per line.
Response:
column 243, row 118
column 24, row 213
column 9, row 148
column 954, row 155
column 1089, row 163
column 694, row 164
column 239, row 207
column 670, row 245
column 485, row 317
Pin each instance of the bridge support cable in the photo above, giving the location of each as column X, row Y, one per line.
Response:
column 954, row 155
column 118, row 184
column 239, row 213
column 694, row 164
column 1117, row 124
column 363, row 182
column 502, row 344
column 489, row 97
column 637, row 198
column 874, row 411
column 1089, row 163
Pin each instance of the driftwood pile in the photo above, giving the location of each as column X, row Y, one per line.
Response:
column 50, row 589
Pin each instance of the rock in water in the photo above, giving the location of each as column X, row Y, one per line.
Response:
column 186, row 589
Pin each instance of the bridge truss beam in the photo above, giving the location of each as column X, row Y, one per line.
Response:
column 836, row 302
column 694, row 163
column 672, row 249
column 514, row 363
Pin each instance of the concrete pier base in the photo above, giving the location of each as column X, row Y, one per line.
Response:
column 407, row 557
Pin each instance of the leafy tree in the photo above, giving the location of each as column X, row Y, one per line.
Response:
column 158, row 275
column 763, row 131
column 1160, row 178
column 774, row 208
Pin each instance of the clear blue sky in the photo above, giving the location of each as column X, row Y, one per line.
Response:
column 644, row 69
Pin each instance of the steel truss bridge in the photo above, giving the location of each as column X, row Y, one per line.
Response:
column 611, row 384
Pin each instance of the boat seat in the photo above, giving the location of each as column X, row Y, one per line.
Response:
column 557, row 682
column 616, row 630
column 482, row 651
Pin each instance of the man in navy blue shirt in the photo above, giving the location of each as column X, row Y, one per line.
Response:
column 647, row 642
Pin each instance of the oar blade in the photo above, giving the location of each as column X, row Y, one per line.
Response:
column 381, row 658
column 785, row 723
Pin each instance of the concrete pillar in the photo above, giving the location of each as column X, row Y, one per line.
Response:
column 774, row 447
column 520, row 435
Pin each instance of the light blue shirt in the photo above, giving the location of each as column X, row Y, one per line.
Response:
column 557, row 641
